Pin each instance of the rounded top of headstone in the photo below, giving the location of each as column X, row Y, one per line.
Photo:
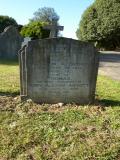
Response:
column 11, row 29
column 12, row 32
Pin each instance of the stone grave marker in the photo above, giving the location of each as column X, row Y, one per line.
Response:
column 10, row 43
column 54, row 28
column 57, row 70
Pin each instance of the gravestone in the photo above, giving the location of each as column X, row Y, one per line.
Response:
column 10, row 43
column 54, row 29
column 57, row 70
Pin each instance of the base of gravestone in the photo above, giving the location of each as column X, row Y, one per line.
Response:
column 26, row 98
column 23, row 98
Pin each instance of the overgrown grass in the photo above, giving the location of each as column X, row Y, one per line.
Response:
column 42, row 132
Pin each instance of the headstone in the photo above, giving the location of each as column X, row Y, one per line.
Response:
column 10, row 43
column 54, row 29
column 58, row 70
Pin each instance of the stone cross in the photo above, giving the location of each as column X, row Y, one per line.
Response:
column 54, row 28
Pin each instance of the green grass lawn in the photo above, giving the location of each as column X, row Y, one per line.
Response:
column 9, row 77
column 29, row 131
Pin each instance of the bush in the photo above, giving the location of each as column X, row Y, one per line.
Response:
column 100, row 24
column 35, row 30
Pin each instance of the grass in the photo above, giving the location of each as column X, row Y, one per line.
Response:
column 9, row 77
column 108, row 91
column 30, row 131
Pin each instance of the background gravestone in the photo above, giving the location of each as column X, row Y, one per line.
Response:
column 10, row 43
column 58, row 70
column 54, row 29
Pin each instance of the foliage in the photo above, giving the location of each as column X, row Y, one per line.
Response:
column 19, row 27
column 42, row 17
column 100, row 24
column 35, row 30
column 6, row 21
column 45, row 14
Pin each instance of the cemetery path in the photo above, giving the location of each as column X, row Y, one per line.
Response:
column 110, row 64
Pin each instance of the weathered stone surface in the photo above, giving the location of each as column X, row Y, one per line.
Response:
column 26, row 40
column 10, row 43
column 58, row 70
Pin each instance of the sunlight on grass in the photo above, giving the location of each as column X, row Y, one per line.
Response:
column 9, row 77
column 108, row 90
column 42, row 132
column 73, row 132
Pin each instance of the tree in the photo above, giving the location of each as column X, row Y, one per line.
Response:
column 19, row 27
column 100, row 24
column 6, row 21
column 35, row 30
column 45, row 14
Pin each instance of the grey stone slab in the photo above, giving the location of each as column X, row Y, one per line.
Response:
column 10, row 43
column 23, row 72
column 59, row 70
column 26, row 40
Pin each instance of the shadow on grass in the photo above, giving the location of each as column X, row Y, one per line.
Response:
column 108, row 102
column 17, row 93
column 101, row 102
column 9, row 62
column 115, row 58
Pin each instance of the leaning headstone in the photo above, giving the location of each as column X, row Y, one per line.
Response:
column 10, row 43
column 58, row 70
